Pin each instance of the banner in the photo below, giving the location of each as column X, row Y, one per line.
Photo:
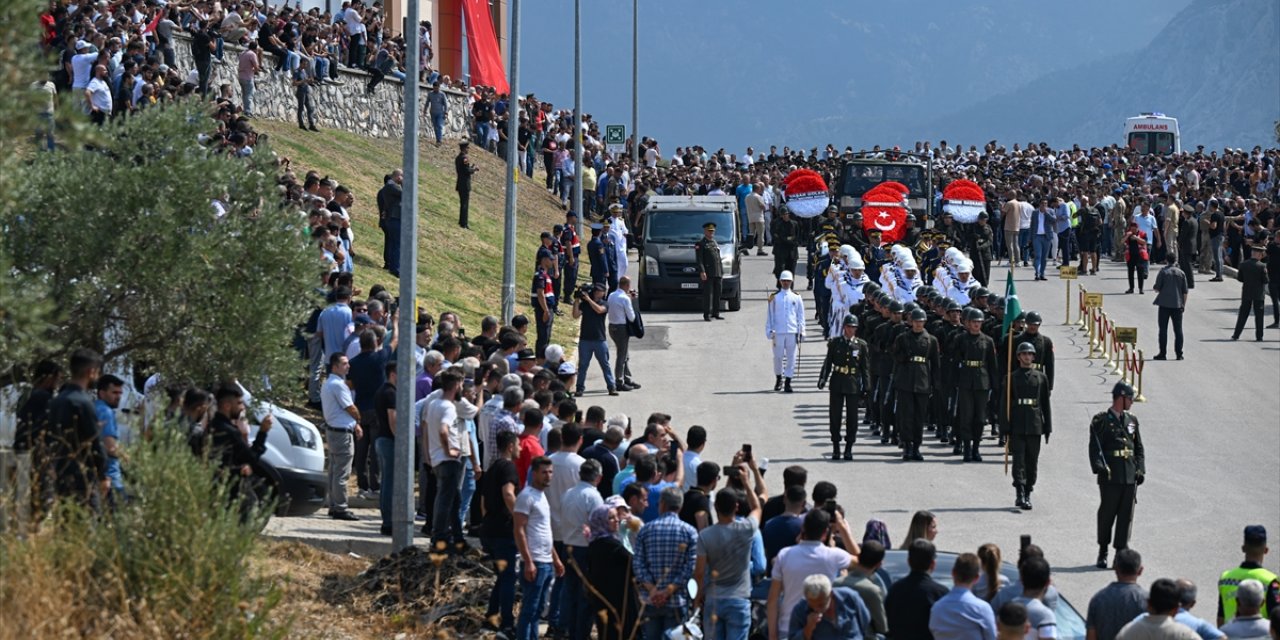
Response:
column 482, row 47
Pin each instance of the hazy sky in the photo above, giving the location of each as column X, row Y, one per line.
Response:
column 729, row 74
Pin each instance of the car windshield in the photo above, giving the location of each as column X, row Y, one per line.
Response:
column 686, row 226
column 860, row 178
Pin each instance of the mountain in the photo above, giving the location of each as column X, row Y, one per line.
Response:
column 1215, row 67
column 807, row 73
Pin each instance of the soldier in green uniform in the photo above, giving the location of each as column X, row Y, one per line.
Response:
column 915, row 354
column 1117, row 458
column 974, row 355
column 786, row 242
column 945, row 394
column 710, row 271
column 1027, row 416
column 885, row 396
column 846, row 367
column 1042, row 343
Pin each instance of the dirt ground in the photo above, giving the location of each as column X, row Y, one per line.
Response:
column 328, row 596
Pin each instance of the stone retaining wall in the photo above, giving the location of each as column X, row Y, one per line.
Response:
column 344, row 106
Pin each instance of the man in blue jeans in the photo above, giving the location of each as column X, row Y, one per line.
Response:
column 498, row 491
column 1041, row 227
column 723, row 571
column 539, row 562
column 443, row 437
column 384, row 441
column 437, row 108
column 592, row 338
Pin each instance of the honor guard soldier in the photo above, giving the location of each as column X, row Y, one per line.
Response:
column 1042, row 343
column 1117, row 458
column 883, row 365
column 1027, row 418
column 706, row 252
column 846, row 368
column 784, row 325
column 974, row 354
column 916, row 355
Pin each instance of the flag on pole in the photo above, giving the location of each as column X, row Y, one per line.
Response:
column 1011, row 305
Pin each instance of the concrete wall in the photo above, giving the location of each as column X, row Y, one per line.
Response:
column 345, row 106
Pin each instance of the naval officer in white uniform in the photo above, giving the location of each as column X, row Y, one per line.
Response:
column 784, row 325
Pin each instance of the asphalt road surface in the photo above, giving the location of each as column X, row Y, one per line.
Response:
column 1211, row 428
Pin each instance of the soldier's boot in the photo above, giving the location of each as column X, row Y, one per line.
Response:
column 1021, row 500
column 964, row 448
column 942, row 435
column 875, row 428
column 906, row 454
column 786, row 385
column 1102, row 557
column 977, row 457
column 1026, row 500
column 915, row 452
column 848, row 449
column 1002, row 441
column 777, row 383
column 835, row 449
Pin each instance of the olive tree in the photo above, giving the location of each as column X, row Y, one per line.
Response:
column 151, row 247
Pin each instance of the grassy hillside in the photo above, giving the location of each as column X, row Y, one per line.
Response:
column 458, row 269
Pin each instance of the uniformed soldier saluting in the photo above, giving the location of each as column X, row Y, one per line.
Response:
column 706, row 252
column 915, row 355
column 1117, row 458
column 846, row 367
column 1027, row 415
column 974, row 354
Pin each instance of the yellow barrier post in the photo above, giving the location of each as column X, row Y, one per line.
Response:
column 1093, row 341
column 1082, row 310
column 1140, row 364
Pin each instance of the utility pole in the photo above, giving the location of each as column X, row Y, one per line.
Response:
column 577, row 113
column 635, row 85
column 513, row 168
column 402, row 491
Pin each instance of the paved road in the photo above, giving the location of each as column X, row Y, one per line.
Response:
column 1211, row 427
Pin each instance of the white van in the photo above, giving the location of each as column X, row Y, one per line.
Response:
column 1152, row 134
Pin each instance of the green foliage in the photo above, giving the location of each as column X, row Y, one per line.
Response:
column 125, row 242
column 172, row 563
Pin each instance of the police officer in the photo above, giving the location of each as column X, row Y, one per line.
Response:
column 610, row 254
column 1117, row 458
column 1027, row 416
column 786, row 242
column 542, row 298
column 598, row 253
column 1255, row 551
column 550, row 248
column 784, row 326
column 974, row 355
column 571, row 250
column 706, row 252
column 846, row 367
column 1042, row 343
column 916, row 354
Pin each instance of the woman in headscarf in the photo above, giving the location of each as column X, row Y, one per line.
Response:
column 610, row 587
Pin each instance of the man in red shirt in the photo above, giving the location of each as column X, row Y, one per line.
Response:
column 530, row 443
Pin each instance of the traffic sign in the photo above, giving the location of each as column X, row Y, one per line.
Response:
column 615, row 138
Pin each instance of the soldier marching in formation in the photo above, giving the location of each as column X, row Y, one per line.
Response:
column 1117, row 459
column 1027, row 417
column 846, row 368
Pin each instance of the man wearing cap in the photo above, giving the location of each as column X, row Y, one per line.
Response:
column 1026, row 416
column 463, row 169
column 882, row 364
column 846, row 367
column 1255, row 551
column 917, row 358
column 1252, row 274
column 618, row 235
column 1118, row 459
column 571, row 249
column 542, row 298
column 610, row 252
column 1044, row 346
column 597, row 253
column 784, row 325
column 706, row 253
column 974, row 355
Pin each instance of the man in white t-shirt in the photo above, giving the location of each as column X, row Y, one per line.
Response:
column 97, row 96
column 808, row 557
column 538, row 558
column 1034, row 575
column 356, row 35
column 443, row 434
column 566, row 463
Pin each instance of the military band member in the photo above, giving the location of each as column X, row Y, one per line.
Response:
column 915, row 353
column 706, row 253
column 974, row 355
column 1026, row 418
column 1117, row 458
column 784, row 325
column 846, row 368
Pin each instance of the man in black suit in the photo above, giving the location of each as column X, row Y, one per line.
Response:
column 911, row 598
column 1253, row 274
column 463, row 167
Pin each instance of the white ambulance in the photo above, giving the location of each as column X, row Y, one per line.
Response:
column 1152, row 134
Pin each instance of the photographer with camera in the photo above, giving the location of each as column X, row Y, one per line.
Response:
column 592, row 340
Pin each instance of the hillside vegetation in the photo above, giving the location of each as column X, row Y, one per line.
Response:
column 458, row 269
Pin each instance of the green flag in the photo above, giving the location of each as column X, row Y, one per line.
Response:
column 1011, row 305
